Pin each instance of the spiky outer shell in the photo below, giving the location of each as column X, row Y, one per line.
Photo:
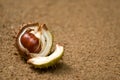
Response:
column 44, row 62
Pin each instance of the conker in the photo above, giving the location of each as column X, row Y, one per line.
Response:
column 31, row 42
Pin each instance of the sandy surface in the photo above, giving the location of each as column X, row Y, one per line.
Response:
column 88, row 29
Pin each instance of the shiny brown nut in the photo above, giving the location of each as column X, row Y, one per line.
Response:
column 31, row 42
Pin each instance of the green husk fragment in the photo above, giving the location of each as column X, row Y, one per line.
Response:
column 44, row 62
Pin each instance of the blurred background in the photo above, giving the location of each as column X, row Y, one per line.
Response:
column 88, row 29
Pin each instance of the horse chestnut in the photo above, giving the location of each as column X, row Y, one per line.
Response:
column 34, row 42
column 31, row 42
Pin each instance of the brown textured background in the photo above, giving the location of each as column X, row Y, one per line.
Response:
column 88, row 29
